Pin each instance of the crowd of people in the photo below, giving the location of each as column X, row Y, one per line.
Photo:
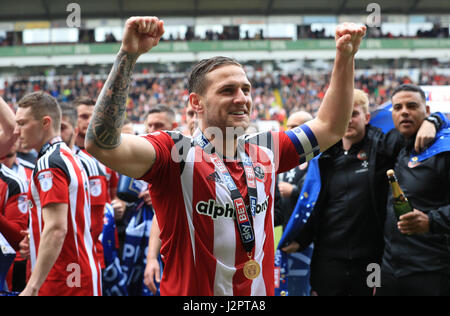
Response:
column 275, row 95
column 215, row 192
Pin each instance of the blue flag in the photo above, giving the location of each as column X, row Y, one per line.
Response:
column 382, row 118
column 114, row 280
column 281, row 271
column 441, row 144
column 135, row 249
column 305, row 205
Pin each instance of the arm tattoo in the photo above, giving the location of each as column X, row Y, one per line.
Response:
column 107, row 121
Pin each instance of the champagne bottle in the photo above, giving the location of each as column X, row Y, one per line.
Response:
column 401, row 204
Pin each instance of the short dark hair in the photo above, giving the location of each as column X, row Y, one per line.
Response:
column 42, row 104
column 196, row 81
column 83, row 101
column 411, row 88
column 162, row 108
column 70, row 113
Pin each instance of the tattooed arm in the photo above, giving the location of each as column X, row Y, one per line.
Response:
column 128, row 154
column 109, row 112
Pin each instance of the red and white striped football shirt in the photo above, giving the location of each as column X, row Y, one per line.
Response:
column 24, row 170
column 201, row 246
column 13, row 206
column 98, row 186
column 60, row 178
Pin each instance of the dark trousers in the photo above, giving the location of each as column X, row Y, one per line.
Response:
column 340, row 277
column 19, row 276
column 417, row 284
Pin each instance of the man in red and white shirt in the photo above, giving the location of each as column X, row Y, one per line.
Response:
column 85, row 108
column 21, row 171
column 200, row 205
column 21, row 167
column 215, row 211
column 13, row 222
column 13, row 206
column 97, row 180
column 61, row 247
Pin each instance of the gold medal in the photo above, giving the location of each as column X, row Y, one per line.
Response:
column 251, row 269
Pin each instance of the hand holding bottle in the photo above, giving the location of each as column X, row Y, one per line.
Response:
column 415, row 222
column 401, row 203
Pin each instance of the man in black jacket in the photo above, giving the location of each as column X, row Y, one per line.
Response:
column 346, row 225
column 416, row 259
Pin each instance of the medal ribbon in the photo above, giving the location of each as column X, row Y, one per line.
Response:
column 243, row 214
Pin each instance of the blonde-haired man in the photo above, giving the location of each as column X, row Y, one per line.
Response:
column 360, row 118
column 346, row 225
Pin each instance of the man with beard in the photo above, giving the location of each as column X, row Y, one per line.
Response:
column 416, row 259
column 346, row 225
column 216, row 219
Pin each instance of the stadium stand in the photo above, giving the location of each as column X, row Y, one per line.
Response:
column 287, row 48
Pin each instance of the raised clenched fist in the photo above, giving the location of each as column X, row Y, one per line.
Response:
column 141, row 34
column 348, row 37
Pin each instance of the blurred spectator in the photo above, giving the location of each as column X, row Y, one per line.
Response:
column 275, row 94
column 12, row 38
column 110, row 38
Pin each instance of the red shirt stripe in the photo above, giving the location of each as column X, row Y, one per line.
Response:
column 201, row 245
column 60, row 178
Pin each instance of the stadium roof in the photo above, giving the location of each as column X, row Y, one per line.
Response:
column 24, row 10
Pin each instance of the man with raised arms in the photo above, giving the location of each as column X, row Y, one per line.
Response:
column 214, row 254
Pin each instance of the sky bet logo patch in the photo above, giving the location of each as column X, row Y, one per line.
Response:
column 214, row 210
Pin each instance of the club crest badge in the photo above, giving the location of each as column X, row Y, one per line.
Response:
column 96, row 187
column 22, row 203
column 259, row 173
column 303, row 166
column 413, row 162
column 362, row 155
column 46, row 180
